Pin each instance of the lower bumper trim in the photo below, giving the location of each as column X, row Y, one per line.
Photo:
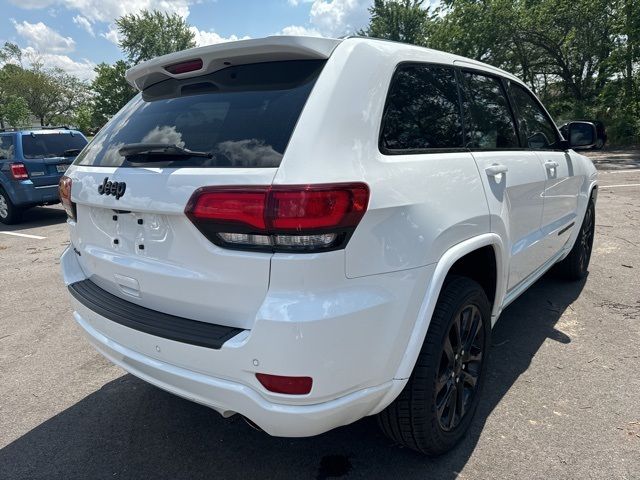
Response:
column 149, row 321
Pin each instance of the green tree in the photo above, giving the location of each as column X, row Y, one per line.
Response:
column 17, row 112
column 84, row 118
column 112, row 91
column 151, row 33
column 399, row 20
column 11, row 57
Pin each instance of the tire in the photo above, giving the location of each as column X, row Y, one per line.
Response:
column 413, row 419
column 9, row 213
column 599, row 144
column 576, row 265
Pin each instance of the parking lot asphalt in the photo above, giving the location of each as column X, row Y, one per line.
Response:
column 562, row 399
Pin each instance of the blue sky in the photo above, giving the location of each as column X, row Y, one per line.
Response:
column 77, row 34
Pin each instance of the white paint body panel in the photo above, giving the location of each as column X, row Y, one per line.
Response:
column 353, row 319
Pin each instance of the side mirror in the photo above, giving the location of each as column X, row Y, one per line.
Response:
column 581, row 134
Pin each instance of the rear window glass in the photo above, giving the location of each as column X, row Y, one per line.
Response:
column 45, row 145
column 242, row 115
column 422, row 110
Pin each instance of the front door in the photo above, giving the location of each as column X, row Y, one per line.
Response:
column 560, row 197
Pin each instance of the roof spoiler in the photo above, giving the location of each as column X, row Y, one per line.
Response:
column 208, row 59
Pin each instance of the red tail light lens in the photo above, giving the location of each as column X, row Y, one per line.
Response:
column 19, row 171
column 287, row 385
column 238, row 208
column 64, row 190
column 184, row 67
column 280, row 217
column 317, row 207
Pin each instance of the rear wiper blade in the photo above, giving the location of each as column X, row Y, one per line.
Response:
column 159, row 150
column 72, row 152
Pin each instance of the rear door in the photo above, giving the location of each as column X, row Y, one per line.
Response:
column 562, row 185
column 132, row 235
column 47, row 153
column 514, row 178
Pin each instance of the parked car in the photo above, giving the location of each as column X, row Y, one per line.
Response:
column 308, row 231
column 601, row 133
column 31, row 164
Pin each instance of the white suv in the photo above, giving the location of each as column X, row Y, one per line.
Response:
column 307, row 231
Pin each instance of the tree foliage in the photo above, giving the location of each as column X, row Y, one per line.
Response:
column 112, row 91
column 16, row 111
column 150, row 34
column 581, row 56
column 50, row 94
column 142, row 36
column 399, row 20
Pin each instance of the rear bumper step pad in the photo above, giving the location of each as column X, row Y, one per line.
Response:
column 149, row 321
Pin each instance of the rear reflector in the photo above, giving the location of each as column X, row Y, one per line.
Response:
column 19, row 171
column 300, row 218
column 184, row 67
column 287, row 385
column 64, row 190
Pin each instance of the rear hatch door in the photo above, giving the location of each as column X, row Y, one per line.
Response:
column 132, row 234
column 47, row 154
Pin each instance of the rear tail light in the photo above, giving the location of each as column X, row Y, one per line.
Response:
column 19, row 171
column 64, row 189
column 287, row 385
column 184, row 67
column 293, row 218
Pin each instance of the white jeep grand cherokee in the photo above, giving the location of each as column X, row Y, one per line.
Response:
column 307, row 231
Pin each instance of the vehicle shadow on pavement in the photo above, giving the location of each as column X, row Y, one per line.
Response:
column 129, row 429
column 37, row 217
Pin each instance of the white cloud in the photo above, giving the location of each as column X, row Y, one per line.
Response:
column 295, row 3
column 332, row 18
column 111, row 35
column 109, row 10
column 44, row 38
column 299, row 30
column 82, row 69
column 339, row 17
column 84, row 24
column 202, row 37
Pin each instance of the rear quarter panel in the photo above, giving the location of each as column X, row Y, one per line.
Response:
column 420, row 205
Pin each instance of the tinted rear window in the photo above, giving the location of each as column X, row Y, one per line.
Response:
column 243, row 115
column 422, row 110
column 45, row 145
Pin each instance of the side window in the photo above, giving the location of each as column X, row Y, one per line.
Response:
column 7, row 149
column 422, row 110
column 536, row 129
column 488, row 120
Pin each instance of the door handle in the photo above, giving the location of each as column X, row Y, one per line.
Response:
column 551, row 164
column 496, row 169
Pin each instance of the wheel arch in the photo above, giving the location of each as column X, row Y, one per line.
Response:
column 452, row 261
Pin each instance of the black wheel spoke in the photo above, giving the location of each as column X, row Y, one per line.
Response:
column 460, row 401
column 442, row 380
column 452, row 404
column 455, row 330
column 448, row 350
column 469, row 379
column 473, row 356
column 445, row 401
column 474, row 329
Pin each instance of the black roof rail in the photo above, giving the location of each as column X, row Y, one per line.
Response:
column 46, row 127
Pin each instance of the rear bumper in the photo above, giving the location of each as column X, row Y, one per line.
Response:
column 25, row 193
column 229, row 397
column 349, row 338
